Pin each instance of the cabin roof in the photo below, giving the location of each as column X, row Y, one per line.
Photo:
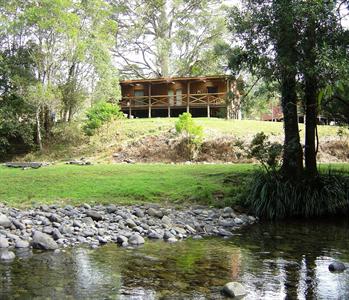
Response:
column 171, row 79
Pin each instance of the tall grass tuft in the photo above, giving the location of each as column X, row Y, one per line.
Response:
column 273, row 197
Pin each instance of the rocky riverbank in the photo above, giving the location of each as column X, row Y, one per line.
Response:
column 53, row 227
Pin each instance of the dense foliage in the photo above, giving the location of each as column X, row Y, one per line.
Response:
column 273, row 197
column 55, row 57
column 100, row 114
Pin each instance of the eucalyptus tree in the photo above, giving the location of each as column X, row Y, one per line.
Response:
column 322, row 45
column 168, row 37
column 266, row 37
column 285, row 41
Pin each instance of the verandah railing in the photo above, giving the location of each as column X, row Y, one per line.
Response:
column 211, row 99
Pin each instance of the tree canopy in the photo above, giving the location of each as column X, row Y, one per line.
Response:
column 162, row 38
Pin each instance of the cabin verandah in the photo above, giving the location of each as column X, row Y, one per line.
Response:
column 169, row 97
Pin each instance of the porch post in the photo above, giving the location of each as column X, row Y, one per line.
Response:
column 188, row 95
column 228, row 104
column 149, row 100
column 129, row 111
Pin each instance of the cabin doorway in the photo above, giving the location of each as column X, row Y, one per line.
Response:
column 171, row 97
column 139, row 94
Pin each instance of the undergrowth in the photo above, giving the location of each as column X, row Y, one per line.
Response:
column 273, row 197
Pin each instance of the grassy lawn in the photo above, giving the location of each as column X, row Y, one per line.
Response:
column 123, row 184
column 217, row 185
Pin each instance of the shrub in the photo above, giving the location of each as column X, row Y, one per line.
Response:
column 264, row 151
column 101, row 113
column 273, row 197
column 192, row 134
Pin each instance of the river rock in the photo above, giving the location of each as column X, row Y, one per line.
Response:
column 18, row 224
column 168, row 235
column 190, row 229
column 234, row 290
column 4, row 221
column 111, row 208
column 88, row 221
column 96, row 216
column 77, row 223
column 43, row 241
column 166, row 220
column 337, row 266
column 238, row 221
column 121, row 239
column 130, row 223
column 172, row 240
column 224, row 232
column 86, row 206
column 22, row 244
column 155, row 235
column 3, row 243
column 88, row 232
column 138, row 212
column 66, row 229
column 136, row 239
column 54, row 218
column 56, row 234
column 102, row 240
column 154, row 213
column 7, row 256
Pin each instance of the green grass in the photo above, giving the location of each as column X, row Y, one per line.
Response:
column 123, row 184
column 216, row 184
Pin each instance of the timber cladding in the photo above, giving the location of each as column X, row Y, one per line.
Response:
column 146, row 97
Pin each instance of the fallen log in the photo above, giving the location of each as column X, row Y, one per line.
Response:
column 25, row 165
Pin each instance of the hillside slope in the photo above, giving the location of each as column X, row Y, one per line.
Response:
column 155, row 140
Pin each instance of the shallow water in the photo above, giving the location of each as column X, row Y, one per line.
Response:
column 273, row 261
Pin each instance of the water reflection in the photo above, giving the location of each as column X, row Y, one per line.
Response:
column 274, row 261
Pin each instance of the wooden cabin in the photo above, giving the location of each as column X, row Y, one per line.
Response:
column 169, row 97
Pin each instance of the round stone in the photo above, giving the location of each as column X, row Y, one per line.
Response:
column 234, row 290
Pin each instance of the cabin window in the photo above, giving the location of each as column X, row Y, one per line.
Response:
column 212, row 90
column 178, row 97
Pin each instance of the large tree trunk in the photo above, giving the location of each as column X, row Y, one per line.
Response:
column 310, row 100
column 292, row 167
column 38, row 128
column 293, row 157
column 163, row 43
